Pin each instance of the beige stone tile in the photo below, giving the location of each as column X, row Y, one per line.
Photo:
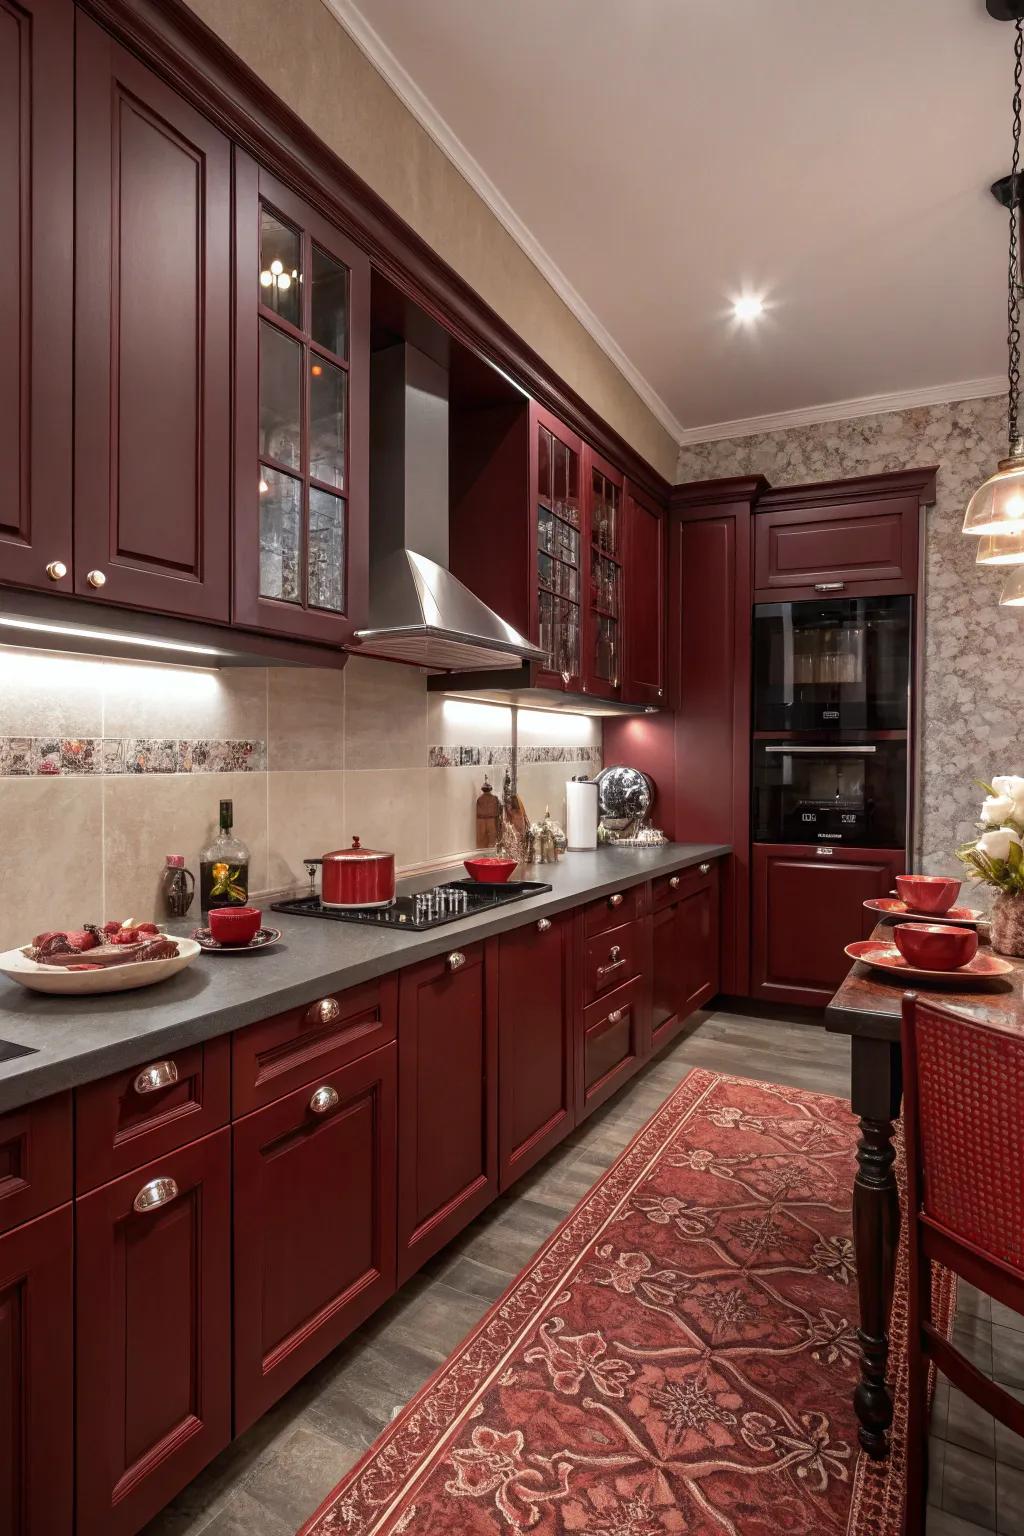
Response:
column 549, row 728
column 147, row 816
column 387, row 808
column 462, row 722
column 385, row 715
column 542, row 785
column 305, row 818
column 45, row 693
column 184, row 703
column 452, row 810
column 306, row 717
column 51, row 848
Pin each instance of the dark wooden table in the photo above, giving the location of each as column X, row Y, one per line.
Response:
column 867, row 1008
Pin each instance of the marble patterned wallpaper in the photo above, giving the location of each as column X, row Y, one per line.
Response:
column 974, row 650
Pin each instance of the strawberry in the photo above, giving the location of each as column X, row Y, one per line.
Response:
column 125, row 936
column 112, row 927
column 81, row 938
column 51, row 933
column 147, row 929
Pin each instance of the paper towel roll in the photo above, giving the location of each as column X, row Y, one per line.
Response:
column 581, row 814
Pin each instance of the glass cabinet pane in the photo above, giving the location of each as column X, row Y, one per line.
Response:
column 327, row 390
column 280, row 396
column 329, row 301
column 326, row 560
column 280, row 268
column 280, row 536
column 544, row 465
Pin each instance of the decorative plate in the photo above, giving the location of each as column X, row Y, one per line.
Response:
column 891, row 906
column 261, row 939
column 886, row 957
column 116, row 978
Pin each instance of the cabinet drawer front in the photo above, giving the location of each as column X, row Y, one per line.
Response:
column 666, row 889
column 315, row 1189
column 613, row 1042
column 611, row 959
column 847, row 548
column 612, row 911
column 277, row 1055
column 165, row 1101
column 153, row 1333
column 35, row 1159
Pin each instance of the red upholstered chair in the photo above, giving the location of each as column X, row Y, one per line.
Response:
column 963, row 1114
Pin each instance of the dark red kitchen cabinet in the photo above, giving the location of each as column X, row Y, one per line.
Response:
column 35, row 1159
column 535, row 1041
column 644, row 680
column 302, row 328
column 605, row 547
column 560, row 559
column 36, row 1377
column 612, row 1042
column 153, row 1334
column 447, row 1099
column 808, row 905
column 152, row 340
column 684, row 948
column 36, row 216
column 314, row 1225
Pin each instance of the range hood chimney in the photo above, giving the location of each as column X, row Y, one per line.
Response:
column 419, row 611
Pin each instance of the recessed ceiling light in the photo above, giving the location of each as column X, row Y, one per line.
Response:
column 748, row 307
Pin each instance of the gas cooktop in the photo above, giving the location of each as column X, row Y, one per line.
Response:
column 426, row 909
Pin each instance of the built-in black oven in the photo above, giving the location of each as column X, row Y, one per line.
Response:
column 832, row 665
column 830, row 792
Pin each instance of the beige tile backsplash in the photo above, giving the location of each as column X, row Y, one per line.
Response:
column 345, row 753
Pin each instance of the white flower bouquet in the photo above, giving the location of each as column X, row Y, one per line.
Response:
column 996, row 856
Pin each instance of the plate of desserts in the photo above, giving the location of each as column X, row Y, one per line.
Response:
column 103, row 957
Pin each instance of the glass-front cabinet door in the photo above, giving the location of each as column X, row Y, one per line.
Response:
column 556, row 464
column 301, row 408
column 603, row 627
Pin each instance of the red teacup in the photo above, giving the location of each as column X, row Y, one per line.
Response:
column 936, row 946
column 235, row 925
column 934, row 894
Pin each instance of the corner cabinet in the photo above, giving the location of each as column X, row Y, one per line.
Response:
column 301, row 452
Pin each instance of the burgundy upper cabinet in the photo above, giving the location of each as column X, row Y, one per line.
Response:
column 535, row 1041
column 152, row 340
column 605, row 527
column 561, row 567
column 644, row 656
column 36, row 203
column 302, row 422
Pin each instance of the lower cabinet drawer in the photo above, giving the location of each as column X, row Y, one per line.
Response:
column 610, row 960
column 315, row 1213
column 152, row 1334
column 668, row 888
column 614, row 910
column 613, row 1043
column 35, row 1160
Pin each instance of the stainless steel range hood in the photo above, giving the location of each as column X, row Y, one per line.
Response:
column 419, row 611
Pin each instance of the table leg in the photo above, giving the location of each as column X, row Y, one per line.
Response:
column 876, row 1092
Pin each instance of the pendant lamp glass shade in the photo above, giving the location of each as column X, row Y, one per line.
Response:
column 1012, row 595
column 997, row 507
column 1000, row 549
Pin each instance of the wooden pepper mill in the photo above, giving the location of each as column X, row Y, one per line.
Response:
column 488, row 817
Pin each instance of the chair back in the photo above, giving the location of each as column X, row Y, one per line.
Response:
column 964, row 1114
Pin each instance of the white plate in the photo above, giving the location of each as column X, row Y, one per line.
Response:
column 117, row 978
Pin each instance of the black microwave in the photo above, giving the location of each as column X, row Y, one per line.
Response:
column 852, row 793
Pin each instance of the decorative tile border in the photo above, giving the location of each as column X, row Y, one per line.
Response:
column 501, row 757
column 111, row 755
column 559, row 755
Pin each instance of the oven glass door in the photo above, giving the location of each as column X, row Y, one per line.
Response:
column 854, row 793
column 832, row 665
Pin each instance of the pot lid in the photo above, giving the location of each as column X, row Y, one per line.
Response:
column 356, row 852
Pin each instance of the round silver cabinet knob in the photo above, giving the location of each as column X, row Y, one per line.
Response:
column 705, row 869
column 456, row 960
column 615, row 1017
column 56, row 570
column 96, row 579
column 543, row 924
column 323, row 1099
column 324, row 1012
column 674, row 883
column 615, row 901
column 161, row 1074
column 153, row 1195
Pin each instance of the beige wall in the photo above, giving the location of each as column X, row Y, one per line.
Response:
column 309, row 60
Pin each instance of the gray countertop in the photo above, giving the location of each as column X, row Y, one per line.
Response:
column 76, row 1040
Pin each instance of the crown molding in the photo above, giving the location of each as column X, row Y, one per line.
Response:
column 844, row 410
column 369, row 41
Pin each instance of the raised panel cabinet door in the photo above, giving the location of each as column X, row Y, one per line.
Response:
column 36, row 1377
column 153, row 1334
column 646, row 530
column 314, row 1181
column 667, row 976
column 447, row 1099
column 859, row 547
column 698, row 943
column 560, row 551
column 604, row 573
column 36, row 225
column 152, row 340
column 535, row 1041
column 808, row 905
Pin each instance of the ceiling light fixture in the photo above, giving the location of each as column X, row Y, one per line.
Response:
column 749, row 306
column 1000, row 549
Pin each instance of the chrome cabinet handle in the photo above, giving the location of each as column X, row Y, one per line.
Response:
column 324, row 1012
column 674, row 883
column 160, row 1075
column 456, row 960
column 705, row 869
column 616, row 900
column 56, row 570
column 543, row 924
column 615, row 1017
column 830, row 586
column 821, row 751
column 615, row 959
column 96, row 579
column 153, row 1195
column 323, row 1099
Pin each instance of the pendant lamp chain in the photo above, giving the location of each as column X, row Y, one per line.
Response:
column 1013, row 289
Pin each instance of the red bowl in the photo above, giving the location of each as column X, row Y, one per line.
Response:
column 493, row 871
column 933, row 894
column 235, row 925
column 936, row 946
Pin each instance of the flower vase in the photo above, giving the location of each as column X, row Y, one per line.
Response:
column 1008, row 924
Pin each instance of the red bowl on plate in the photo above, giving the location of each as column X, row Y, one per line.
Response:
column 935, row 946
column 933, row 894
column 235, row 925
column 493, row 871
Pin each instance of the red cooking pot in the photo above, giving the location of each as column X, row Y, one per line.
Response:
column 357, row 877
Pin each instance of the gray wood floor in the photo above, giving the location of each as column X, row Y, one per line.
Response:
column 273, row 1477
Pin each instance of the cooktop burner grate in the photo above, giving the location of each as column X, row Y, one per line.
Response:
column 447, row 903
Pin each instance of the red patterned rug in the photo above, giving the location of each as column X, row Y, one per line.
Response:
column 677, row 1360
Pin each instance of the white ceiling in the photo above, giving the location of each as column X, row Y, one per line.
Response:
column 657, row 157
